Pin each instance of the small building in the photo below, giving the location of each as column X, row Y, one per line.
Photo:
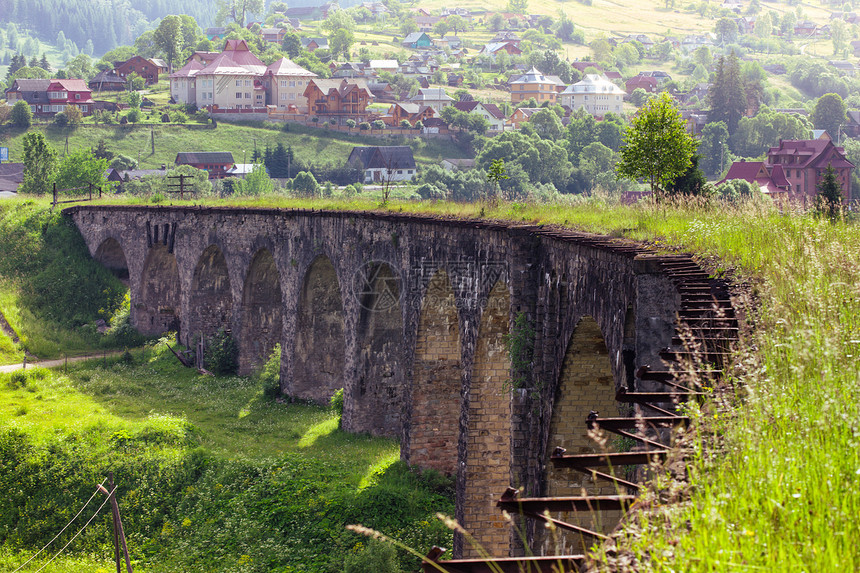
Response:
column 533, row 84
column 147, row 69
column 384, row 164
column 770, row 179
column 522, row 114
column 457, row 164
column 216, row 163
column 313, row 44
column 489, row 111
column 273, row 35
column 216, row 33
column 416, row 41
column 411, row 112
column 647, row 83
column 379, row 66
column 492, row 49
column 107, row 80
column 433, row 97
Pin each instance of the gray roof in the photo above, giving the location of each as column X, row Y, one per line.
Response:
column 383, row 157
column 413, row 37
column 204, row 157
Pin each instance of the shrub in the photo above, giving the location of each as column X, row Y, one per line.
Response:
column 350, row 123
column 22, row 115
column 133, row 115
column 221, row 354
column 378, row 124
column 178, row 116
column 165, row 118
column 349, row 191
column 376, row 556
column 61, row 119
column 270, row 374
column 336, row 401
column 404, row 123
column 419, row 124
column 364, row 126
column 305, row 185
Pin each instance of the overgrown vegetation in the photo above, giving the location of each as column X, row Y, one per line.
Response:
column 201, row 488
column 51, row 292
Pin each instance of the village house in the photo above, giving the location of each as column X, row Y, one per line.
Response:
column 314, row 44
column 345, row 98
column 521, row 115
column 411, row 112
column 148, row 69
column 492, row 49
column 49, row 97
column 273, row 35
column 237, row 79
column 533, row 84
column 647, row 83
column 490, row 111
column 595, row 94
column 433, row 97
column 804, row 162
column 107, row 80
column 379, row 66
column 216, row 33
column 384, row 164
column 416, row 41
column 457, row 164
column 216, row 163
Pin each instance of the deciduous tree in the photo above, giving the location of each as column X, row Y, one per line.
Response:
column 829, row 114
column 657, row 146
column 40, row 164
column 22, row 115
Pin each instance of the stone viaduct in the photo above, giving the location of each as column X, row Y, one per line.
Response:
column 410, row 314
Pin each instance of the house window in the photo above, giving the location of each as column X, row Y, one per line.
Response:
column 283, row 83
column 247, row 95
column 300, row 83
column 292, row 83
column 247, row 83
column 292, row 96
column 83, row 109
column 283, row 97
column 238, row 83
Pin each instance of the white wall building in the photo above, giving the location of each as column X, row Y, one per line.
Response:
column 594, row 93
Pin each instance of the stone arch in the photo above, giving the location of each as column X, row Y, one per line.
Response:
column 111, row 255
column 262, row 311
column 378, row 392
column 158, row 309
column 319, row 355
column 210, row 296
column 437, row 380
column 488, row 462
column 585, row 383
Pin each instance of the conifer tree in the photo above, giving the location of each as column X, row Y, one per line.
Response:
column 726, row 95
column 829, row 199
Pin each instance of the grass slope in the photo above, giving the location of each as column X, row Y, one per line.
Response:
column 213, row 474
column 309, row 144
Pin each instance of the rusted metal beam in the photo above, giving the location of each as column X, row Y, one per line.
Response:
column 608, row 459
column 510, row 502
column 633, row 423
column 557, row 564
column 643, row 397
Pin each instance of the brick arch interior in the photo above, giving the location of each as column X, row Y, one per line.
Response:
column 378, row 392
column 262, row 311
column 436, row 380
column 210, row 297
column 585, row 383
column 319, row 355
column 111, row 255
column 488, row 463
column 158, row 309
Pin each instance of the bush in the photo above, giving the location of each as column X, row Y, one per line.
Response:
column 305, row 185
column 378, row 124
column 364, row 126
column 404, row 123
column 350, row 123
column 165, row 118
column 61, row 119
column 376, row 556
column 178, row 116
column 270, row 374
column 22, row 115
column 133, row 115
column 336, row 401
column 349, row 191
column 221, row 354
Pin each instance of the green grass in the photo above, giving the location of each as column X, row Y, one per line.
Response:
column 214, row 474
column 309, row 144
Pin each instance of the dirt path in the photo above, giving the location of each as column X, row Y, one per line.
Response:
column 58, row 362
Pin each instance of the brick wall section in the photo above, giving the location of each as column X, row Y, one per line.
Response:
column 210, row 295
column 488, row 461
column 262, row 312
column 585, row 384
column 157, row 310
column 319, row 354
column 437, row 380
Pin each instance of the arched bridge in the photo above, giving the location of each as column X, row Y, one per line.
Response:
column 410, row 315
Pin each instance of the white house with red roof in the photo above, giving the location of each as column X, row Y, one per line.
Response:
column 50, row 97
column 238, row 79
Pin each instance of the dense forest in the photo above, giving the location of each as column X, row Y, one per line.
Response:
column 104, row 23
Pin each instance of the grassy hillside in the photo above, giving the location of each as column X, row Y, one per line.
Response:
column 309, row 144
column 51, row 291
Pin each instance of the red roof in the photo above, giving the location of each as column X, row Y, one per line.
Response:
column 813, row 153
column 756, row 172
